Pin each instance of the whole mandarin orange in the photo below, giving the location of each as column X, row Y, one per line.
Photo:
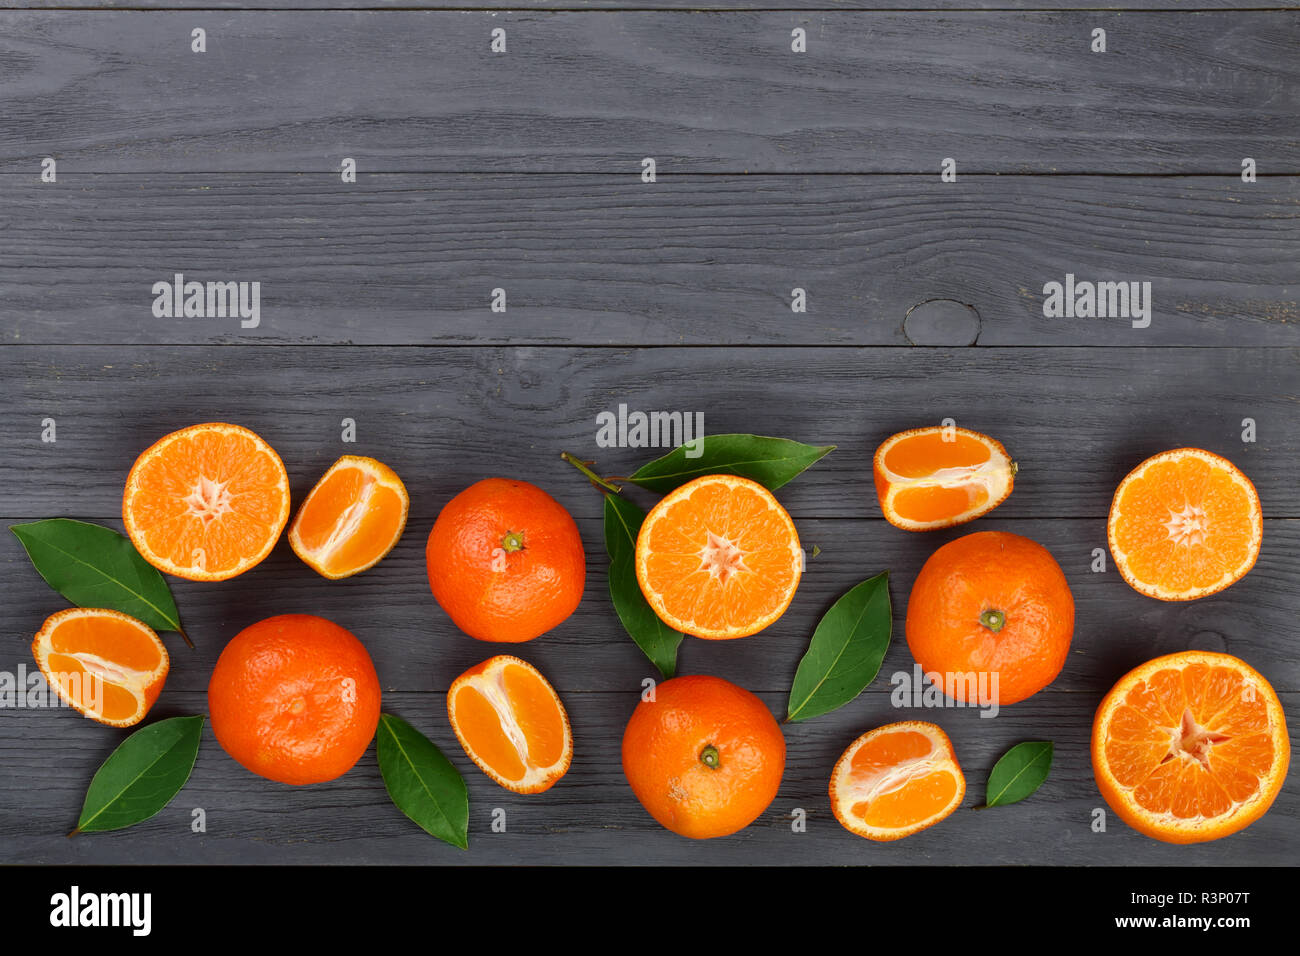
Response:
column 294, row 698
column 991, row 603
column 505, row 561
column 704, row 757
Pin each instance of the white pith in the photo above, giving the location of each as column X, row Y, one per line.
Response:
column 1187, row 527
column 208, row 500
column 348, row 522
column 721, row 557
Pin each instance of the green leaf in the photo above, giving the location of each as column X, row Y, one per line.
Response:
column 142, row 775
column 1019, row 772
column 770, row 461
column 94, row 566
column 422, row 782
column 656, row 639
column 846, row 650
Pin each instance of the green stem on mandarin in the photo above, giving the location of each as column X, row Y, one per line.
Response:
column 710, row 757
column 512, row 541
column 993, row 620
column 591, row 475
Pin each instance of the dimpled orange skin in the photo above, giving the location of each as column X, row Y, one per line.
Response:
column 992, row 571
column 663, row 744
column 505, row 561
column 295, row 699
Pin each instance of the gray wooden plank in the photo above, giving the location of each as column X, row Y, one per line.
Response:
column 609, row 260
column 707, row 92
column 955, row 6
column 1076, row 420
column 416, row 648
column 591, row 816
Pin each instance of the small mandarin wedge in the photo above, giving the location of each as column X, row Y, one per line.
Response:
column 718, row 558
column 896, row 780
column 940, row 476
column 351, row 519
column 207, row 502
column 107, row 665
column 1190, row 747
column 1184, row 524
column 511, row 723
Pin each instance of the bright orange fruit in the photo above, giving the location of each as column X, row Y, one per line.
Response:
column 896, row 780
column 991, row 604
column 718, row 558
column 505, row 561
column 107, row 665
column 511, row 723
column 294, row 698
column 941, row 476
column 207, row 502
column 1190, row 747
column 351, row 519
column 1184, row 524
column 704, row 756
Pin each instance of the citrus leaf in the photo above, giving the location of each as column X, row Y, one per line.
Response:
column 846, row 650
column 656, row 639
column 1019, row 772
column 94, row 566
column 770, row 461
column 422, row 782
column 142, row 775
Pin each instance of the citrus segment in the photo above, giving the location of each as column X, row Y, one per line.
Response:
column 107, row 665
column 1184, row 524
column 511, row 723
column 1190, row 747
column 351, row 519
column 940, row 476
column 718, row 558
column 207, row 502
column 896, row 780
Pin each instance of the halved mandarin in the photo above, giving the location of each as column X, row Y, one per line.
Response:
column 108, row 665
column 896, row 780
column 1184, row 524
column 207, row 502
column 511, row 723
column 1190, row 747
column 718, row 558
column 351, row 519
column 940, row 476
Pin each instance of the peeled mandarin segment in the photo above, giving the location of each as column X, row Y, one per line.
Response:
column 480, row 724
column 921, row 455
column 919, row 799
column 536, row 714
column 935, row 503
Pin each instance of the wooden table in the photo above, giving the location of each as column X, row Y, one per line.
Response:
column 775, row 170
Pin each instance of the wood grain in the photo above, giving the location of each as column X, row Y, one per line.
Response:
column 687, row 260
column 591, row 816
column 683, row 6
column 704, row 92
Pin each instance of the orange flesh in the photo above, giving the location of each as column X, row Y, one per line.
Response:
column 907, row 781
column 934, row 503
column 208, row 500
column 511, row 722
column 920, row 456
column 1192, row 742
column 101, row 664
column 351, row 518
column 722, row 558
column 1184, row 524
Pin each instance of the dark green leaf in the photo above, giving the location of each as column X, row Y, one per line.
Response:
column 656, row 639
column 846, row 650
column 94, row 566
column 422, row 782
column 769, row 461
column 1019, row 772
column 142, row 775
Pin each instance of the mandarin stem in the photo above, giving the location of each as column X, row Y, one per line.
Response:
column 591, row 475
